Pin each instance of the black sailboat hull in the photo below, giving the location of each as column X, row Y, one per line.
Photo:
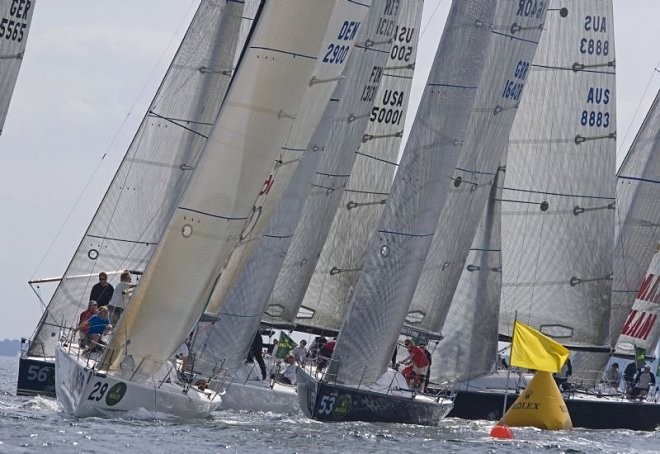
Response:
column 590, row 413
column 333, row 403
column 36, row 377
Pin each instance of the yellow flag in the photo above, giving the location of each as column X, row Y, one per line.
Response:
column 532, row 350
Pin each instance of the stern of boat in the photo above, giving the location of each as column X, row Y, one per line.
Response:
column 36, row 376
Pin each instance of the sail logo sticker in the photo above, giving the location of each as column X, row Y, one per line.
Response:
column 639, row 324
column 115, row 394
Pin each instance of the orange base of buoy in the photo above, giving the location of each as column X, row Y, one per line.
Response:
column 503, row 432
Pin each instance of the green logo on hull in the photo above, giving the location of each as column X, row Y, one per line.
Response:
column 115, row 394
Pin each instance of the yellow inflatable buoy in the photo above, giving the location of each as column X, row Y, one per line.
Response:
column 540, row 405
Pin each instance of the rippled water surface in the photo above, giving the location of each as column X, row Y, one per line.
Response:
column 37, row 425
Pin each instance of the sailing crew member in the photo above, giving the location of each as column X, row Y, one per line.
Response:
column 102, row 291
column 256, row 352
column 119, row 299
column 289, row 374
column 613, row 376
column 645, row 379
column 562, row 376
column 300, row 352
column 419, row 361
column 83, row 325
column 99, row 325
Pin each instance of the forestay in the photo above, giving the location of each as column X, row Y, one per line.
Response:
column 228, row 340
column 558, row 198
column 136, row 208
column 349, row 192
column 218, row 206
column 397, row 250
column 515, row 36
column 637, row 225
column 15, row 20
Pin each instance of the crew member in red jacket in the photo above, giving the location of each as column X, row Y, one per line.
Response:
column 419, row 361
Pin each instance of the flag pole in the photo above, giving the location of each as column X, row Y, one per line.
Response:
column 508, row 370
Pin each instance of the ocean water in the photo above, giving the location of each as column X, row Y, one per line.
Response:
column 37, row 425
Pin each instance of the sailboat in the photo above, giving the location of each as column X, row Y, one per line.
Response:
column 557, row 216
column 15, row 20
column 148, row 182
column 217, row 209
column 357, row 385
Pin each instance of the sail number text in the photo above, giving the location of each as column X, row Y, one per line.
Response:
column 592, row 46
column 513, row 87
column 530, row 8
column 14, row 27
column 591, row 117
column 337, row 52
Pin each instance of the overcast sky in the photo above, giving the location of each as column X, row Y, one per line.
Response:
column 89, row 73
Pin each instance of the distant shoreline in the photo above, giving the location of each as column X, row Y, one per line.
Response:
column 10, row 347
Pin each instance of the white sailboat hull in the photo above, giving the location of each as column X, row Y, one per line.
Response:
column 259, row 396
column 247, row 392
column 83, row 391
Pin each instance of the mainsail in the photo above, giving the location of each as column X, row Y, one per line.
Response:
column 637, row 226
column 349, row 192
column 218, row 205
column 559, row 192
column 397, row 250
column 136, row 208
column 515, row 35
column 15, row 20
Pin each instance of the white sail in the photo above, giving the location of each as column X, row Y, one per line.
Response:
column 228, row 339
column 397, row 250
column 558, row 197
column 637, row 218
column 516, row 32
column 134, row 212
column 339, row 133
column 327, row 72
column 15, row 20
column 642, row 327
column 218, row 206
column 469, row 345
column 323, row 263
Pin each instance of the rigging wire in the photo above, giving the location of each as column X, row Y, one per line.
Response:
column 639, row 104
column 182, row 25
